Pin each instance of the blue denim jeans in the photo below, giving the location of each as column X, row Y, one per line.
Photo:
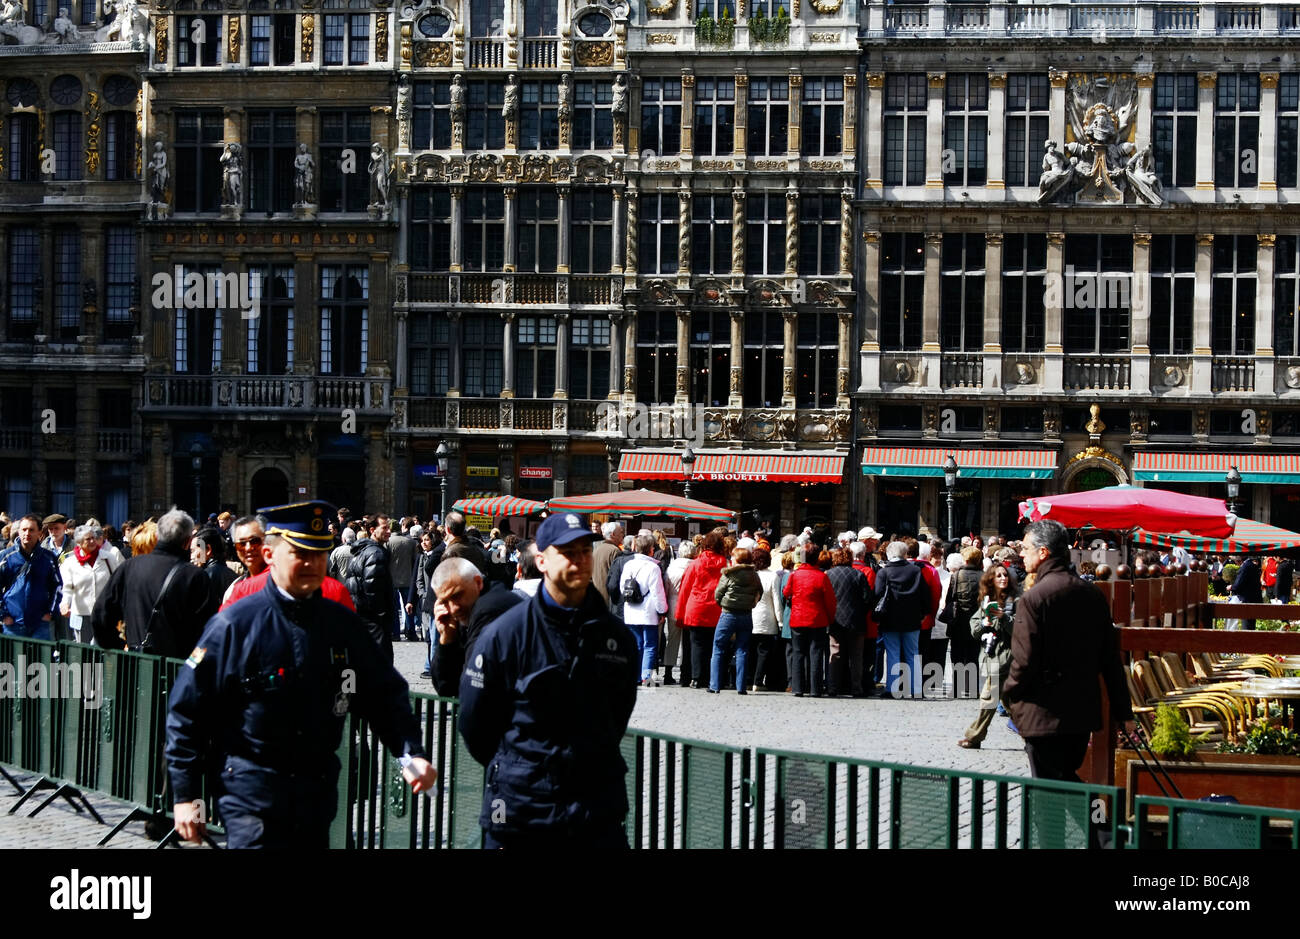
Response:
column 647, row 646
column 730, row 623
column 40, row 631
column 902, row 649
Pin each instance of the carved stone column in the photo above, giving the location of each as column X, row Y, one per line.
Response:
column 512, row 216
column 1207, row 84
column 1267, row 150
column 561, row 354
column 457, row 354
column 1056, row 116
column 789, row 357
column 1054, row 315
column 997, row 131
column 1140, row 364
column 742, row 113
column 563, row 246
column 795, row 122
column 457, row 248
column 616, row 338
column 844, row 363
column 846, row 232
column 616, row 249
column 791, row 231
column 992, row 311
column 633, row 234
column 683, row 395
column 934, row 131
column 1264, row 267
column 869, row 314
column 688, row 112
column 738, row 231
column 875, row 168
column 683, row 236
column 1202, row 351
column 737, row 353
column 850, row 143
column 508, row 355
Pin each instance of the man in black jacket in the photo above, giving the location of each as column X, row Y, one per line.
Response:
column 900, row 627
column 465, row 604
column 369, row 578
column 133, row 590
column 208, row 553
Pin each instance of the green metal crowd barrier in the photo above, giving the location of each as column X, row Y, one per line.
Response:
column 682, row 794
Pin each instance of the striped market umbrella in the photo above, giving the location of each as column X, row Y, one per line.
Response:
column 640, row 502
column 1249, row 537
column 498, row 506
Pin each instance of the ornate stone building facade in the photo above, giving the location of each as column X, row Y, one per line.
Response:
column 1074, row 205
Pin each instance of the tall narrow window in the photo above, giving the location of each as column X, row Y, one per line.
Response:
column 119, row 145
column 1232, row 302
column 1236, row 131
column 540, row 17
column 905, row 119
column 430, row 228
column 197, row 181
column 764, row 345
column 715, row 116
column 487, row 18
column 765, row 233
column 1173, row 289
column 344, row 319
column 711, row 234
column 902, row 290
column 270, row 36
column 710, row 357
column 69, row 144
column 485, row 128
column 1174, row 128
column 195, row 44
column 431, row 118
column 539, row 116
column 661, row 116
column 589, row 342
column 538, row 228
column 347, row 35
column 593, row 121
column 657, row 251
column 819, row 233
column 1286, row 295
column 535, row 356
column 270, row 333
column 484, row 229
column 272, row 139
column 1024, row 275
column 120, row 280
column 24, row 274
column 961, row 293
column 67, row 282
column 1028, row 111
column 816, row 349
column 656, row 356
column 822, row 117
column 1098, row 272
column 24, row 162
column 769, row 117
column 482, row 337
column 966, row 130
column 340, row 131
column 430, row 354
column 1288, row 130
column 592, row 226
column 199, row 326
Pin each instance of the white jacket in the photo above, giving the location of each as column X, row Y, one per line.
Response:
column 764, row 616
column 81, row 584
column 654, row 603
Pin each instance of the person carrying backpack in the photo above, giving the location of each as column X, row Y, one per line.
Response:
column 645, row 602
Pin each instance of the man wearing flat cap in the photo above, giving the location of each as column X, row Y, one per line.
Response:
column 260, row 708
column 545, row 700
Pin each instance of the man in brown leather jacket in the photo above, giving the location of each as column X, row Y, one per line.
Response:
column 1063, row 638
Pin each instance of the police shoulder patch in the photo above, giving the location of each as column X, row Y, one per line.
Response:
column 196, row 656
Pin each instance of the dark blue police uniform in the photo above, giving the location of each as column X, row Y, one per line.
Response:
column 544, row 704
column 260, row 709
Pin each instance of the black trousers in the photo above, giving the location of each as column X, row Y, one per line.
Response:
column 965, row 652
column 763, row 661
column 1056, row 756
column 811, row 651
column 701, row 655
column 933, row 652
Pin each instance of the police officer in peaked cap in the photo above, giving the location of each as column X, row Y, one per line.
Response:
column 260, row 707
column 545, row 701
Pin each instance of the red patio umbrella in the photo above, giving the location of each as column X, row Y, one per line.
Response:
column 1127, row 507
column 640, row 502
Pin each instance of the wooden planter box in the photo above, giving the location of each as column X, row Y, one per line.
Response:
column 1252, row 779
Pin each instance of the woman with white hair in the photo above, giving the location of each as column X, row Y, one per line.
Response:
column 686, row 552
column 85, row 572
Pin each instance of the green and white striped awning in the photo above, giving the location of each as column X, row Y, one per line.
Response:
column 971, row 464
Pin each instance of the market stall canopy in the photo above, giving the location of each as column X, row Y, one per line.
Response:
column 1249, row 537
column 498, row 506
column 971, row 464
column 1127, row 507
column 1279, row 468
column 640, row 502
column 718, row 466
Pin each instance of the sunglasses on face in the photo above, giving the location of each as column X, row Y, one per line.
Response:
column 248, row 541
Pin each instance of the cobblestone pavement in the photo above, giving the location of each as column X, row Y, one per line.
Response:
column 922, row 733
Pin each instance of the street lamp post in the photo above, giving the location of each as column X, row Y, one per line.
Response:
column 950, row 480
column 443, row 455
column 196, row 466
column 688, row 464
column 1233, row 481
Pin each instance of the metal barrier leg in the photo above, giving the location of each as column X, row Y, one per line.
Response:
column 71, row 794
column 137, row 814
column 42, row 783
column 9, row 779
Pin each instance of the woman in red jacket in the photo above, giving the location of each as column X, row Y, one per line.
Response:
column 697, row 610
column 812, row 610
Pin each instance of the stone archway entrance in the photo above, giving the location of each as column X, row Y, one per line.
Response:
column 269, row 486
column 1093, row 468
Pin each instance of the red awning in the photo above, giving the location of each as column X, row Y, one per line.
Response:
column 1280, row 468
column 735, row 467
column 971, row 464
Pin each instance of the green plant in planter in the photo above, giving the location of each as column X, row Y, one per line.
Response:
column 1230, row 573
column 1266, row 739
column 1173, row 737
column 779, row 27
column 704, row 27
column 759, row 26
column 725, row 30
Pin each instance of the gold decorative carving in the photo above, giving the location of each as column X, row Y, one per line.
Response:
column 1095, row 453
column 937, row 79
column 308, row 36
column 1142, row 239
column 1205, row 240
column 1146, row 79
column 875, row 79
column 433, row 54
column 826, row 7
column 160, row 40
column 1057, row 78
column 998, row 80
column 232, row 37
column 663, row 8
column 92, row 135
column 661, row 39
column 823, row 37
column 1207, row 79
column 1266, row 241
column 381, row 37
column 594, row 54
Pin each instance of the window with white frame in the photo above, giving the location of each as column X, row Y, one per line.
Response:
column 431, row 115
column 484, row 229
column 535, row 356
column 966, row 129
column 271, row 332
column 768, row 126
column 198, row 45
column 485, row 127
column 197, row 177
column 487, row 18
column 67, row 282
column 23, row 276
column 715, row 9
column 119, row 145
column 272, row 139
column 656, row 356
column 270, row 35
column 821, row 130
column 710, row 357
column 24, row 161
column 592, row 229
column 1024, row 277
column 429, row 353
column 482, row 340
column 537, row 228
column 711, row 234
column 347, row 35
column 344, row 319
column 661, row 116
column 902, row 290
column 199, row 324
column 715, row 116
column 119, row 280
column 589, row 344
column 1286, row 295
column 765, row 233
column 1173, row 289
column 657, row 222
column 1236, row 130
column 1232, row 300
column 1027, row 121
column 1288, row 131
column 1173, row 128
column 1096, row 296
column 540, row 18
column 961, row 293
column 905, row 121
column 341, row 131
column 430, row 228
column 539, row 115
column 816, row 359
column 763, row 340
column 69, row 144
column 819, row 233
